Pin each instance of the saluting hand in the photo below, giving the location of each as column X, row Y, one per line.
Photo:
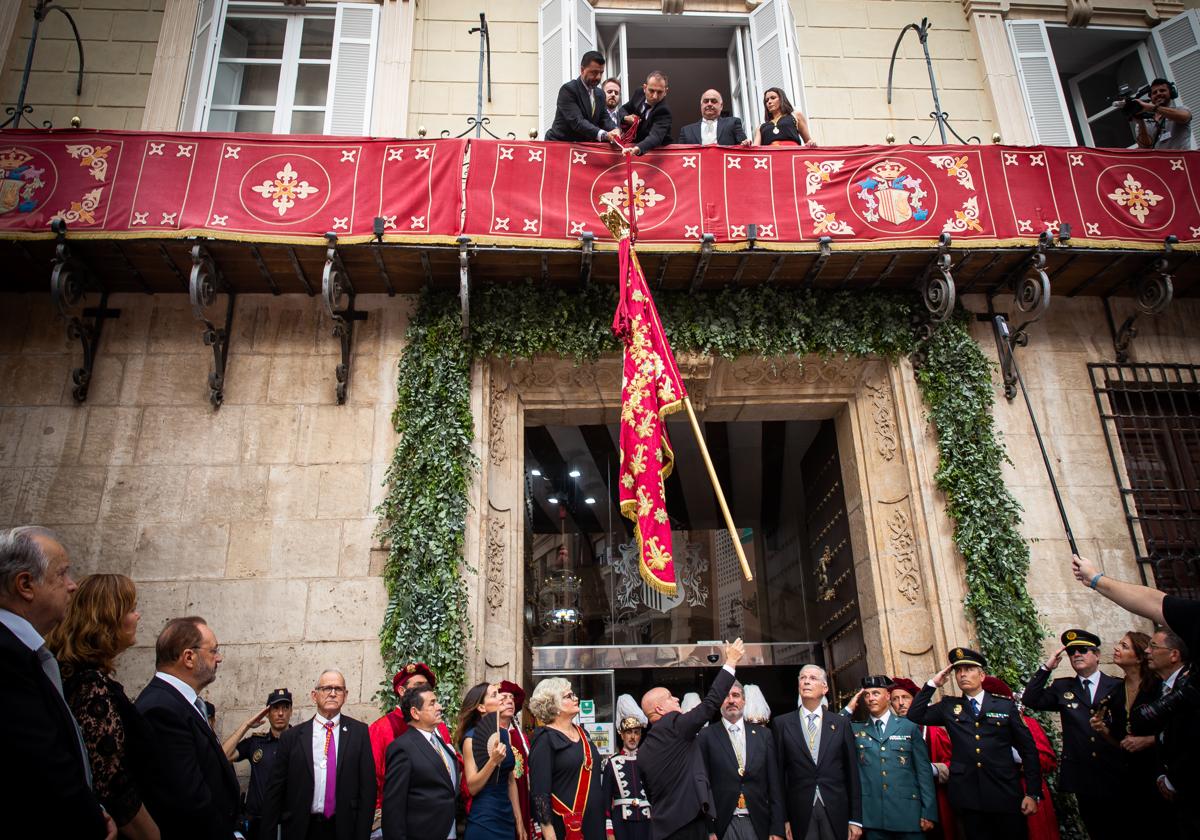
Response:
column 852, row 706
column 939, row 679
column 1053, row 661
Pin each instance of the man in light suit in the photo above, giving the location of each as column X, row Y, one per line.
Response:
column 46, row 777
column 422, row 773
column 713, row 129
column 821, row 787
column 322, row 785
column 672, row 766
column 580, row 115
column 744, row 774
column 193, row 791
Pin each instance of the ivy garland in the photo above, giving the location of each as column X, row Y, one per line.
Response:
column 424, row 512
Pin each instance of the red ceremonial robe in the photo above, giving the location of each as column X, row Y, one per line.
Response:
column 1044, row 824
column 939, row 753
column 387, row 729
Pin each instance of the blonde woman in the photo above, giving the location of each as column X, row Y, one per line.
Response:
column 101, row 623
column 564, row 768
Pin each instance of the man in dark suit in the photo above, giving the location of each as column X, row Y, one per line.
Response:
column 672, row 766
column 322, row 785
column 713, row 129
column 1175, row 718
column 1092, row 767
column 192, row 791
column 422, row 774
column 985, row 791
column 821, row 787
column 47, row 776
column 649, row 105
column 740, row 760
column 580, row 115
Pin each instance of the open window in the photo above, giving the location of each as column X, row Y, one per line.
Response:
column 282, row 70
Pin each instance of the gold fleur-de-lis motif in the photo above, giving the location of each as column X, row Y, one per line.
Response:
column 659, row 556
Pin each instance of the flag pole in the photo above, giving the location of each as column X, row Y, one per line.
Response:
column 712, row 475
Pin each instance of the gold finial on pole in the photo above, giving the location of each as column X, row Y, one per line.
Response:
column 614, row 220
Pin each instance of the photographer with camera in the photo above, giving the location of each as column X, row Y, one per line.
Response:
column 1160, row 125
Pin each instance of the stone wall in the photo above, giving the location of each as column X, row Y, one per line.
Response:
column 257, row 516
column 1073, row 333
column 119, row 42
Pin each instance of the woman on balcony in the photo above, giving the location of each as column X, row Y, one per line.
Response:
column 783, row 126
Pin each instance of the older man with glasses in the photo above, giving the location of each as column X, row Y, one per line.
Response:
column 322, row 786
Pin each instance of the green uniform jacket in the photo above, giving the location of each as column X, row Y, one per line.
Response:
column 897, row 779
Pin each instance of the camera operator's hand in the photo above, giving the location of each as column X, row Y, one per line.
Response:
column 1147, row 108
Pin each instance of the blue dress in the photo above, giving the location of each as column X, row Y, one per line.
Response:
column 491, row 816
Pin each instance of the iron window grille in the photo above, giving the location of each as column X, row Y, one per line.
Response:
column 1151, row 419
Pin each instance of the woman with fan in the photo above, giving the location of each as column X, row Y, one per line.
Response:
column 564, row 768
column 483, row 738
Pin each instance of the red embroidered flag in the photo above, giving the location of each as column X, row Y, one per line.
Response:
column 651, row 389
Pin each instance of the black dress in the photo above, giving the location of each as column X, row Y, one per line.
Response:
column 555, row 763
column 116, row 736
column 785, row 130
column 1145, row 805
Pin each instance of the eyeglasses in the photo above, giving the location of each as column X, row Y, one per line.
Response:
column 329, row 689
column 215, row 651
column 570, row 695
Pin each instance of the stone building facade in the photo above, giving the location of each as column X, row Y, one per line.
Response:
column 260, row 516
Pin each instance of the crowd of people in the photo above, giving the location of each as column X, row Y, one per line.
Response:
column 893, row 763
column 588, row 111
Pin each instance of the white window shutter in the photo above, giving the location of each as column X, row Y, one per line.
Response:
column 585, row 29
column 554, row 56
column 1038, row 73
column 352, row 71
column 1178, row 42
column 776, row 57
column 210, row 20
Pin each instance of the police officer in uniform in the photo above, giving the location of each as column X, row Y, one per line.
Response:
column 984, row 730
column 898, row 797
column 259, row 750
column 624, row 794
column 1092, row 765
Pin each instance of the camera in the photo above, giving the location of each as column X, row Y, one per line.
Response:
column 713, row 658
column 1127, row 100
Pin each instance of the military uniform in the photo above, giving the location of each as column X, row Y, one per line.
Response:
column 984, row 787
column 260, row 750
column 897, row 779
column 1092, row 767
column 626, row 806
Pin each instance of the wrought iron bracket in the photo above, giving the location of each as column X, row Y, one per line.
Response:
column 587, row 250
column 706, row 252
column 21, row 111
column 337, row 293
column 1154, row 293
column 937, row 284
column 205, row 282
column 70, row 282
column 464, row 283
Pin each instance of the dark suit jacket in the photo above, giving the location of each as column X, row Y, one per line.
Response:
column 729, row 132
column 1090, row 764
column 288, row 800
column 983, row 776
column 1175, row 718
column 192, row 791
column 418, row 794
column 673, row 767
column 577, row 116
column 43, row 777
column 654, row 130
column 835, row 771
column 760, row 784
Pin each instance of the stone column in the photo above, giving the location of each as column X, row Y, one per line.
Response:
column 171, row 61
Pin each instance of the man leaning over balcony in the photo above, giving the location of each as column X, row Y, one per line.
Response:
column 580, row 116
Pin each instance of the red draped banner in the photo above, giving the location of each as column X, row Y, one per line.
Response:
column 294, row 189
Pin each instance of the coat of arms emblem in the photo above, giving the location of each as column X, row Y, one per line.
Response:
column 19, row 181
column 891, row 194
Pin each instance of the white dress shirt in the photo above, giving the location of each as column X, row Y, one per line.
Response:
column 708, row 132
column 1090, row 684
column 22, row 629
column 318, row 751
column 188, row 693
column 885, row 718
column 737, row 740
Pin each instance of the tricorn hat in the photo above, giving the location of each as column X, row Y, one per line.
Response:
column 877, row 681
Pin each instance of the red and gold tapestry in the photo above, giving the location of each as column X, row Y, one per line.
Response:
column 651, row 389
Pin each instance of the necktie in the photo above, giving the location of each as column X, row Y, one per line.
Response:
column 1087, row 688
column 330, row 770
column 812, row 734
column 738, row 751
column 879, row 729
column 202, row 709
column 50, row 668
column 442, row 755
column 974, row 707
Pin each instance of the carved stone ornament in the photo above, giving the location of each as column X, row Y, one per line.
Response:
column 883, row 418
column 564, row 373
column 1079, row 12
column 793, row 371
column 496, row 545
column 902, row 547
column 497, row 411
